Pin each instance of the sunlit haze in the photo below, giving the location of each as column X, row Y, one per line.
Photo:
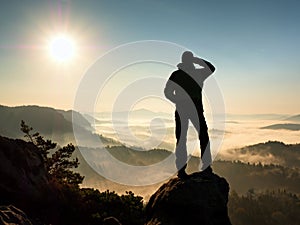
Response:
column 47, row 46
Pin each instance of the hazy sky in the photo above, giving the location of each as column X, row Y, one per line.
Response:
column 254, row 45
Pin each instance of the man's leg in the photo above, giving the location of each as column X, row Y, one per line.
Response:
column 204, row 143
column 200, row 124
column 181, row 138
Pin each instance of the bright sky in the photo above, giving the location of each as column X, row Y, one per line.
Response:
column 254, row 45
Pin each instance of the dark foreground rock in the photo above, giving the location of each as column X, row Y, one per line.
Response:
column 23, row 178
column 199, row 199
column 10, row 215
column 22, row 172
column 111, row 221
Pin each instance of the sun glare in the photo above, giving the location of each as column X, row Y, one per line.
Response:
column 62, row 48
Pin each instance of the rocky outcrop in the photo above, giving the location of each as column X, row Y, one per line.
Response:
column 22, row 173
column 199, row 199
column 111, row 221
column 10, row 215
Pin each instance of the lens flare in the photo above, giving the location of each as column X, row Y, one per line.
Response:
column 62, row 48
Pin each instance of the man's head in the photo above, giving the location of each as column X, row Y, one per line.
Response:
column 187, row 57
column 187, row 64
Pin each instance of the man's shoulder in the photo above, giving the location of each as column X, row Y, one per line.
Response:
column 176, row 74
column 179, row 71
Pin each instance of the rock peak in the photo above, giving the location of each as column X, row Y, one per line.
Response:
column 200, row 198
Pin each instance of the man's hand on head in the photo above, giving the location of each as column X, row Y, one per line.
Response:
column 198, row 61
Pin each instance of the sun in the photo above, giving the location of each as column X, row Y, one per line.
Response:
column 62, row 48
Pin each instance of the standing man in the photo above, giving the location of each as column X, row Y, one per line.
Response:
column 184, row 89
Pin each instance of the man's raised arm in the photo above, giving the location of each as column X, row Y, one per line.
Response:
column 207, row 66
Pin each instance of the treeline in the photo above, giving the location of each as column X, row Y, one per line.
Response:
column 286, row 155
column 243, row 176
column 265, row 208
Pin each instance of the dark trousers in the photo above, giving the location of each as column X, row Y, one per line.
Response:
column 183, row 114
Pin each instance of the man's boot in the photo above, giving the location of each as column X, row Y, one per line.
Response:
column 181, row 173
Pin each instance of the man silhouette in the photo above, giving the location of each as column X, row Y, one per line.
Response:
column 184, row 89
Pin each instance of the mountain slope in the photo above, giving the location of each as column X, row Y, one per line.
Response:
column 275, row 152
column 284, row 126
column 51, row 123
column 295, row 118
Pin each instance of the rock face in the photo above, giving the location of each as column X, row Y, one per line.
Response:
column 10, row 215
column 199, row 199
column 22, row 173
column 111, row 221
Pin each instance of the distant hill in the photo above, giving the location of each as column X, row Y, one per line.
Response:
column 275, row 152
column 51, row 123
column 139, row 113
column 44, row 119
column 91, row 119
column 79, row 119
column 295, row 118
column 285, row 126
column 255, row 116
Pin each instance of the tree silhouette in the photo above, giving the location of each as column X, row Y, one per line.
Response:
column 59, row 165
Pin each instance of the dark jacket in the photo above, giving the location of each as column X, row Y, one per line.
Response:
column 187, row 83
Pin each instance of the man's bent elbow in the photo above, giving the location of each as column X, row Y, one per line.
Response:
column 211, row 67
column 169, row 94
